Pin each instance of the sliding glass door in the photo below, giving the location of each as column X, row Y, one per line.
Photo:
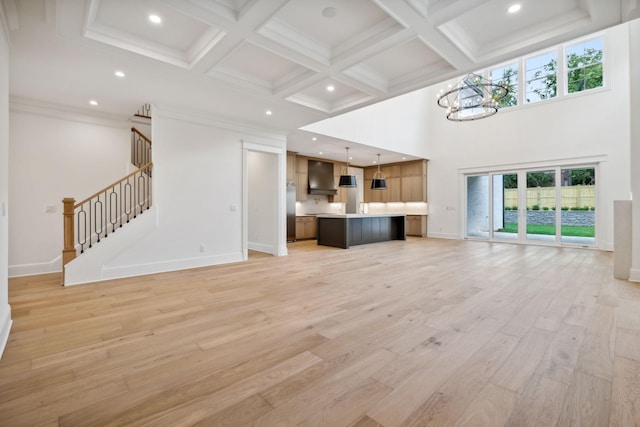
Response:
column 541, row 205
column 505, row 206
column 546, row 206
column 478, row 206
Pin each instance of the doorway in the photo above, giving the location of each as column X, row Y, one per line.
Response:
column 544, row 206
column 264, row 199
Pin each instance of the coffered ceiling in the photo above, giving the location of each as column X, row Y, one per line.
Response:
column 238, row 58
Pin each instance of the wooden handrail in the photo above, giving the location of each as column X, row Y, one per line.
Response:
column 141, row 135
column 69, row 250
column 142, row 168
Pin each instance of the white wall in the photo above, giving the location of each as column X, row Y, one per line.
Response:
column 590, row 124
column 5, row 308
column 634, row 32
column 397, row 124
column 262, row 201
column 56, row 154
column 198, row 193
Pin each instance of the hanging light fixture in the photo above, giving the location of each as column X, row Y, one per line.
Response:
column 473, row 98
column 347, row 180
column 378, row 182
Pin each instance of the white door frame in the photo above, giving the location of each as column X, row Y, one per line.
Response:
column 280, row 224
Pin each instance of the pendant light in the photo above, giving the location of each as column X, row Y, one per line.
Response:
column 347, row 180
column 378, row 182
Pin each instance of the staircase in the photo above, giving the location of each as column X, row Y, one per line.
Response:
column 98, row 216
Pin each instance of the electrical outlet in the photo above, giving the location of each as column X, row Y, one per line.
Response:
column 233, row 208
column 202, row 248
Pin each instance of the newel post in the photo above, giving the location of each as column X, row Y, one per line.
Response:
column 69, row 251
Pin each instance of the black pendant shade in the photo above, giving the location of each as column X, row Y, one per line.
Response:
column 378, row 182
column 347, row 180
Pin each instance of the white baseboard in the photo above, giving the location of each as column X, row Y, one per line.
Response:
column 443, row 236
column 634, row 275
column 109, row 273
column 5, row 326
column 54, row 266
column 261, row 247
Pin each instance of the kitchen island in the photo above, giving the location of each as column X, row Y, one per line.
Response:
column 345, row 230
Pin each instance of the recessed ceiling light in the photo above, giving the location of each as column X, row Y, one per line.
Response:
column 321, row 153
column 314, row 139
column 514, row 8
column 119, row 74
column 155, row 19
column 93, row 102
column 404, row 158
column 350, row 158
column 268, row 112
column 331, row 88
column 329, row 12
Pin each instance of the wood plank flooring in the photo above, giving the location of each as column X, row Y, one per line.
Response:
column 403, row 333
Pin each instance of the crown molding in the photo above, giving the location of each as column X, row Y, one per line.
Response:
column 64, row 112
column 217, row 122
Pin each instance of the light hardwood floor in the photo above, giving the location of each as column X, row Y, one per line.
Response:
column 421, row 332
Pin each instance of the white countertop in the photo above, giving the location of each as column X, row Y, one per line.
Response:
column 352, row 215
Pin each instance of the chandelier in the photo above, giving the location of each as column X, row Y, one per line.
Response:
column 473, row 98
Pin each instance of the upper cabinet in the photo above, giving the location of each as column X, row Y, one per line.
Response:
column 406, row 182
column 414, row 181
column 302, row 178
column 339, row 169
column 291, row 167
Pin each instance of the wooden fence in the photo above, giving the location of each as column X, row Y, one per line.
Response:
column 575, row 196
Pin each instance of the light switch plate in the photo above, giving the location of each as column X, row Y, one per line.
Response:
column 49, row 208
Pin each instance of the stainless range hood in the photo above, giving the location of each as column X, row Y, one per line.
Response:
column 321, row 179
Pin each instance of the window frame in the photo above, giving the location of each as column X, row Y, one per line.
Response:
column 489, row 71
column 566, row 70
column 559, row 66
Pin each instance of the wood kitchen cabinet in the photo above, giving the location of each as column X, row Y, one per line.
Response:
column 341, row 196
column 417, row 225
column 306, row 227
column 406, row 182
column 302, row 177
column 291, row 167
column 414, row 181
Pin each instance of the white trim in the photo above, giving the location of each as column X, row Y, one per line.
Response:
column 53, row 266
column 109, row 273
column 5, row 326
column 451, row 236
column 261, row 247
column 63, row 112
column 538, row 164
column 634, row 275
column 207, row 120
column 272, row 147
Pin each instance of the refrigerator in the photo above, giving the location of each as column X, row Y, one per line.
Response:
column 291, row 211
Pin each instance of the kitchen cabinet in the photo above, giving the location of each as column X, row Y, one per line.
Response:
column 413, row 189
column 341, row 196
column 306, row 227
column 406, row 182
column 417, row 225
column 414, row 181
column 302, row 177
column 291, row 167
